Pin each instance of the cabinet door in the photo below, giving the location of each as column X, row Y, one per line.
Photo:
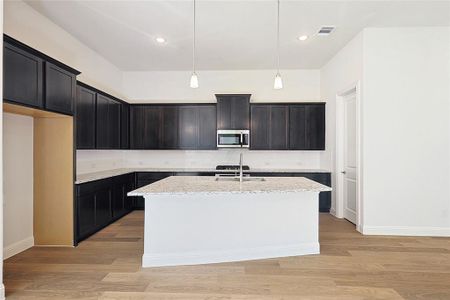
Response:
column 137, row 127
column 152, row 120
column 86, row 215
column 103, row 207
column 315, row 127
column 60, row 89
column 117, row 200
column 240, row 112
column 85, row 118
column 207, row 127
column 113, row 129
column 22, row 77
column 233, row 111
column 125, row 126
column 260, row 127
column 188, row 127
column 102, row 122
column 223, row 113
column 169, row 127
column 279, row 120
column 297, row 127
column 130, row 186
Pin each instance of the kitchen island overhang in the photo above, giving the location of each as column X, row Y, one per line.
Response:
column 197, row 220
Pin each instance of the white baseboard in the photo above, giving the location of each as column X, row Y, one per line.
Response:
column 18, row 247
column 195, row 258
column 406, row 231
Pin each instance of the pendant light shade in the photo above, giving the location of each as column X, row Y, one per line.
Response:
column 194, row 77
column 278, row 83
column 194, row 80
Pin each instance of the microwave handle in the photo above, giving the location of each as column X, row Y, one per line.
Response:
column 241, row 139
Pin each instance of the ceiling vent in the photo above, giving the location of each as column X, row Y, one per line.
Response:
column 325, row 30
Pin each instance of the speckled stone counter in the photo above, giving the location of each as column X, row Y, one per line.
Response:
column 197, row 220
column 207, row 184
column 87, row 177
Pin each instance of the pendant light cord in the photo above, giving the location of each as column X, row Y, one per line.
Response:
column 193, row 43
column 278, row 37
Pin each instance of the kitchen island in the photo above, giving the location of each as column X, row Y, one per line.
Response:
column 197, row 220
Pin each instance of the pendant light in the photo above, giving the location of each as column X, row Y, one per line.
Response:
column 194, row 77
column 278, row 83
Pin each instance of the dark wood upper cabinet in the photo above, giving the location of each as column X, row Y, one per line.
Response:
column 233, row 111
column 207, row 127
column 307, row 127
column 60, row 89
column 152, row 120
column 22, row 77
column 137, row 130
column 188, row 127
column 269, row 130
column 33, row 79
column 85, row 118
column 114, row 130
column 297, row 127
column 125, row 126
column 108, row 123
column 144, row 126
column 169, row 127
column 279, row 127
column 315, row 126
column 260, row 127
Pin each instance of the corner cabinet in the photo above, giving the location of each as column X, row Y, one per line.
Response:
column 36, row 80
column 288, row 126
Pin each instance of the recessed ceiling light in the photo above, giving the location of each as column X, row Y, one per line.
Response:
column 161, row 40
column 303, row 37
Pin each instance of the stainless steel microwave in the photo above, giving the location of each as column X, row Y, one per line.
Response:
column 233, row 138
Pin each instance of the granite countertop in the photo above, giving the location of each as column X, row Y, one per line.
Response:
column 87, row 177
column 207, row 184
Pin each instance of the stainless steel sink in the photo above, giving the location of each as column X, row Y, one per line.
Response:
column 236, row 178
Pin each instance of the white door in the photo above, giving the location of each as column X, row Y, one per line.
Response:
column 349, row 171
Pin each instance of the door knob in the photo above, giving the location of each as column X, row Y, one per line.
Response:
column 343, row 172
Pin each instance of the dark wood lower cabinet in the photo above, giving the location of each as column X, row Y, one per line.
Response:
column 100, row 202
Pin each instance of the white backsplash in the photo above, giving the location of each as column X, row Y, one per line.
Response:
column 100, row 160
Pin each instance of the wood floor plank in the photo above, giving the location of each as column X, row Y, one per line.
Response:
column 350, row 266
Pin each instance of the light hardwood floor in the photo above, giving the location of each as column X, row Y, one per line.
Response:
column 351, row 266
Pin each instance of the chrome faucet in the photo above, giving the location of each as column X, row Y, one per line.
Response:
column 241, row 160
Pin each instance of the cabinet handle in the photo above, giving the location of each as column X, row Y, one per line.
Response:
column 343, row 172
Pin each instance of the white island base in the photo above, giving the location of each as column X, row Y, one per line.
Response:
column 210, row 227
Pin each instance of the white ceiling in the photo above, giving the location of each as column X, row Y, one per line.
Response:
column 230, row 34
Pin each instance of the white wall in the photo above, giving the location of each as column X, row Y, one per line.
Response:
column 28, row 26
column 173, row 86
column 18, row 183
column 99, row 160
column 343, row 70
column 406, row 131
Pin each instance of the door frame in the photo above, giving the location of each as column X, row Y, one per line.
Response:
column 339, row 161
